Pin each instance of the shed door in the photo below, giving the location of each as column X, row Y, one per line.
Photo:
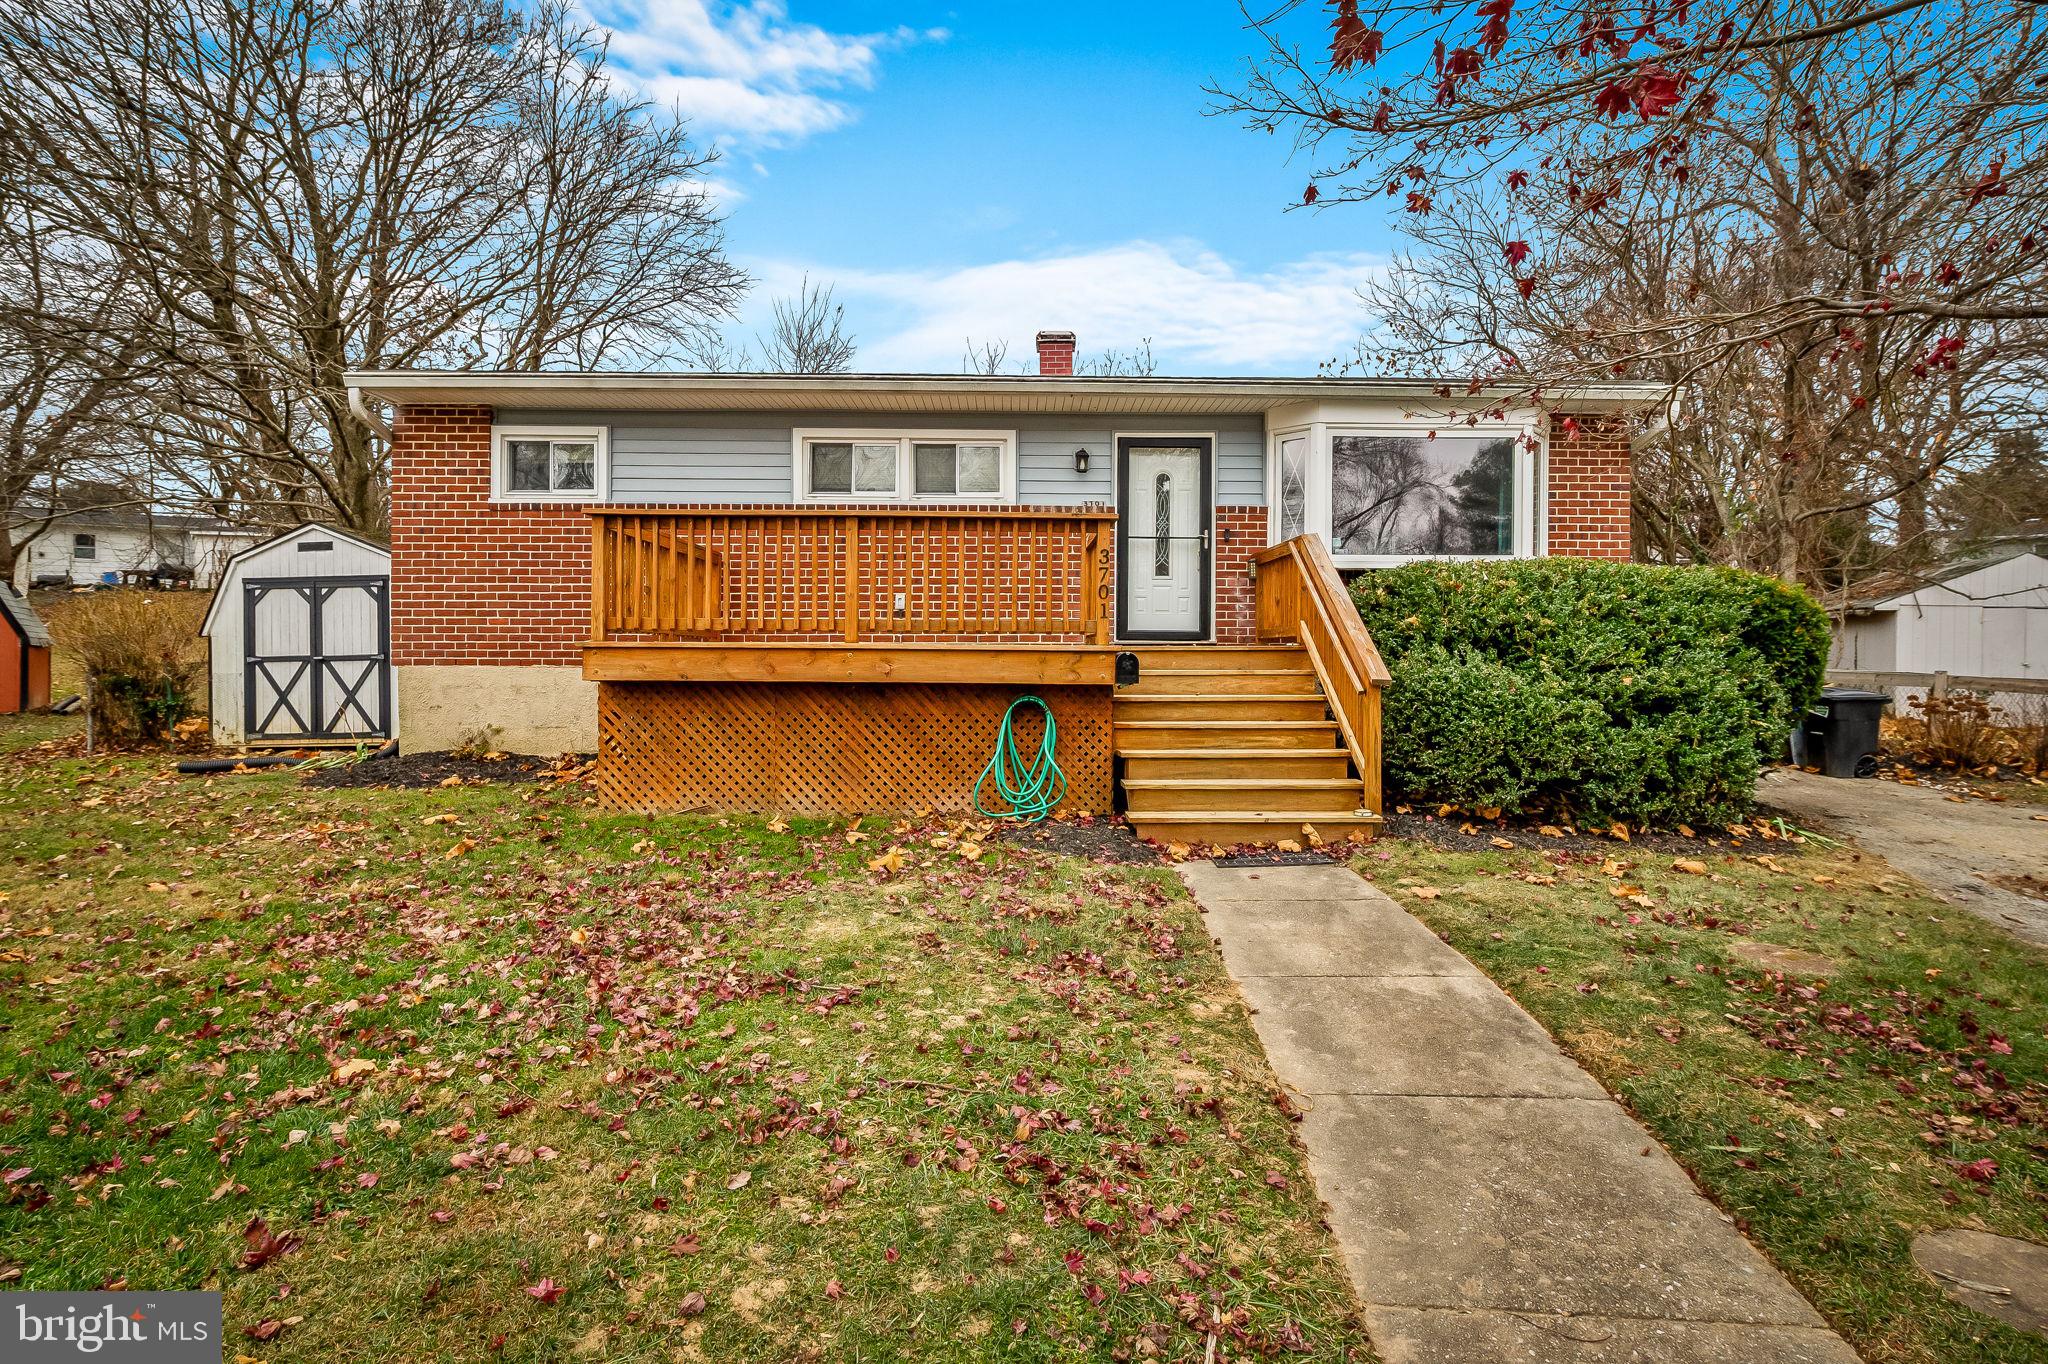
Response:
column 316, row 658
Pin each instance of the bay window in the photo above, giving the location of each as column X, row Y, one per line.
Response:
column 892, row 466
column 1384, row 494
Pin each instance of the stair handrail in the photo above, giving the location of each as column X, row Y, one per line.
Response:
column 1300, row 598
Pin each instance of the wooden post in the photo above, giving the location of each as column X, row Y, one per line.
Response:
column 852, row 523
column 597, row 576
column 1939, row 691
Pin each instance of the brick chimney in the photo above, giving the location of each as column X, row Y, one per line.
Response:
column 1056, row 353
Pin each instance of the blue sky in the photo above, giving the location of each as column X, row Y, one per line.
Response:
column 987, row 170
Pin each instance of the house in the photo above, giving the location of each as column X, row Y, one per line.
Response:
column 1984, row 615
column 84, row 544
column 818, row 592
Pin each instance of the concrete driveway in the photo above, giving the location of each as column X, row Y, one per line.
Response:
column 1954, row 848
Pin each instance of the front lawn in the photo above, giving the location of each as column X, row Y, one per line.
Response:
column 481, row 1072
column 1895, row 1079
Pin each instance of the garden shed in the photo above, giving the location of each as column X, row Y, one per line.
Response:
column 24, row 655
column 299, row 642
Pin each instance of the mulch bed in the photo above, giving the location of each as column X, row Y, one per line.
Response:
column 1096, row 840
column 435, row 769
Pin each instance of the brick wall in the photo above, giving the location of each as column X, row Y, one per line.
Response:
column 1240, row 533
column 475, row 581
column 1589, row 488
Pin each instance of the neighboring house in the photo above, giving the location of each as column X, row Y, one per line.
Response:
column 818, row 591
column 84, row 545
column 1984, row 616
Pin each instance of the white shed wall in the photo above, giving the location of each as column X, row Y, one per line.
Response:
column 1990, row 623
column 282, row 558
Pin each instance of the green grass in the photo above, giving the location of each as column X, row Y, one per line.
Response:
column 1831, row 1113
column 1003, row 1106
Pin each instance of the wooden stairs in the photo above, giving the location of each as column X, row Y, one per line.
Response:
column 1231, row 744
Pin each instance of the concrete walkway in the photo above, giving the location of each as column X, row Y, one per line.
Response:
column 1491, row 1200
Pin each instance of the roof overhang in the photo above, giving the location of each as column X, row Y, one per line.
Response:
column 529, row 391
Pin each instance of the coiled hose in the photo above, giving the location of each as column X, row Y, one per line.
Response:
column 1031, row 792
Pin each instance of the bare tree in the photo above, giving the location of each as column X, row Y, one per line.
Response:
column 1816, row 222
column 985, row 357
column 1136, row 363
column 809, row 336
column 301, row 187
column 68, row 355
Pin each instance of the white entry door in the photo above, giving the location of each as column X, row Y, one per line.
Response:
column 1163, row 538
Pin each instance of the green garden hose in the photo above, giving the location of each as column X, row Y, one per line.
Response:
column 1031, row 792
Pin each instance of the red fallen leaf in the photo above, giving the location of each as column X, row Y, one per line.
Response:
column 686, row 1244
column 263, row 1330
column 1999, row 1045
column 547, row 1291
column 441, row 1217
column 367, row 1180
column 692, row 1305
column 833, row 1290
column 1277, row 1180
column 892, row 1255
column 1979, row 1171
column 1516, row 252
column 264, row 1247
column 498, row 1343
column 996, row 1205
column 1075, row 1262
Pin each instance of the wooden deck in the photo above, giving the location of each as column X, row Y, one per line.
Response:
column 843, row 660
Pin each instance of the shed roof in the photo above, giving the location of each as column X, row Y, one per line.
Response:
column 23, row 617
column 240, row 557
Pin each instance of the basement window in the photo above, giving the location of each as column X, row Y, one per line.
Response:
column 551, row 464
column 893, row 466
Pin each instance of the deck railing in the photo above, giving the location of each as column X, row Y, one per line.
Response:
column 1301, row 599
column 852, row 575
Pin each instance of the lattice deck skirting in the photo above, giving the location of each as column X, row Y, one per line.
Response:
column 830, row 749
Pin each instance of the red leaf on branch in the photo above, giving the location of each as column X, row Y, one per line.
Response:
column 1311, row 194
column 1526, row 287
column 1516, row 252
column 1417, row 202
column 1518, row 180
column 1991, row 185
column 1353, row 44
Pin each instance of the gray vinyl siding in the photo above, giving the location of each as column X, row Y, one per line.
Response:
column 745, row 456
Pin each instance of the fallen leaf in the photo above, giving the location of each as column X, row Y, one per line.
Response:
column 349, row 1070
column 262, row 1246
column 1690, row 866
column 739, row 1181
column 547, row 1291
column 1424, row 892
column 692, row 1305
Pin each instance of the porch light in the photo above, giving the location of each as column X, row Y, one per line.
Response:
column 1080, row 461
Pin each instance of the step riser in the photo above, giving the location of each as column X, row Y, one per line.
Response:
column 1322, row 767
column 1227, row 656
column 1320, row 739
column 1226, row 833
column 1233, row 684
column 1139, row 708
column 1215, row 800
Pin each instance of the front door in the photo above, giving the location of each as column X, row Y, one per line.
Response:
column 1162, row 569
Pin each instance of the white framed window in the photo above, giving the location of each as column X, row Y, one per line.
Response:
column 905, row 466
column 549, row 463
column 1387, row 493
column 84, row 546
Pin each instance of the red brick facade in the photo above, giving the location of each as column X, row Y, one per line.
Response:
column 472, row 580
column 480, row 582
column 1588, row 487
column 1240, row 533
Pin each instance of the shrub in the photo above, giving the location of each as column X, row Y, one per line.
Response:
column 1594, row 690
column 143, row 660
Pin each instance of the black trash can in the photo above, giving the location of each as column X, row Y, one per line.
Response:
column 1840, row 731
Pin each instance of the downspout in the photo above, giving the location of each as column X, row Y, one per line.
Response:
column 377, row 424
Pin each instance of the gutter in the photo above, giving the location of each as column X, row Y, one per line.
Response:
column 370, row 419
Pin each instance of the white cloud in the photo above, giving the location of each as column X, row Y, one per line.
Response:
column 1203, row 314
column 743, row 72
